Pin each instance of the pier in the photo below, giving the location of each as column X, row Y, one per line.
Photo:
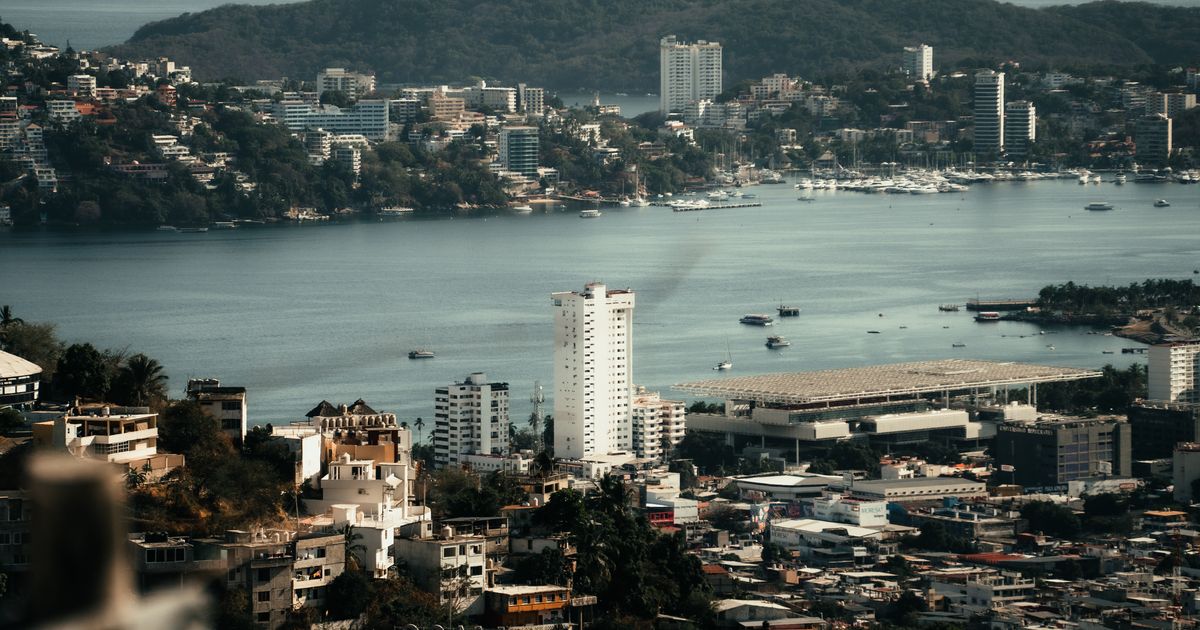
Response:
column 976, row 304
column 714, row 206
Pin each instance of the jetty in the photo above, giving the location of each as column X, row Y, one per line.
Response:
column 976, row 304
column 713, row 206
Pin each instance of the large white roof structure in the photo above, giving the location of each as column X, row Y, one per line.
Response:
column 13, row 366
column 882, row 381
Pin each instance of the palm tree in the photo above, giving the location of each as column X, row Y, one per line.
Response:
column 143, row 379
column 350, row 539
column 420, row 424
column 7, row 319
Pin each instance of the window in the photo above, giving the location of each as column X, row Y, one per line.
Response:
column 231, row 405
column 264, row 596
column 448, row 552
column 477, row 570
column 264, row 575
column 264, row 617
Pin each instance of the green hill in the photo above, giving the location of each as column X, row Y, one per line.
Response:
column 612, row 44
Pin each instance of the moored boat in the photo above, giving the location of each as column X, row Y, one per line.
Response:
column 988, row 316
column 757, row 319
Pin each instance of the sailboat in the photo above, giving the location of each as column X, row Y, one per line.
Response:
column 728, row 362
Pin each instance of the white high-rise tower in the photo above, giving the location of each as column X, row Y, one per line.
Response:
column 918, row 62
column 687, row 73
column 593, row 346
column 989, row 112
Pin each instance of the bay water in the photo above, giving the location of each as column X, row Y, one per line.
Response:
column 329, row 311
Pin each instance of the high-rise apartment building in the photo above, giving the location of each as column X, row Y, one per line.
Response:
column 519, row 150
column 593, row 344
column 1153, row 137
column 1020, row 127
column 658, row 425
column 470, row 418
column 918, row 62
column 687, row 72
column 531, row 100
column 989, row 112
column 1172, row 369
column 1171, row 104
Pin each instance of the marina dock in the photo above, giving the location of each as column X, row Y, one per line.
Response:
column 976, row 304
column 713, row 206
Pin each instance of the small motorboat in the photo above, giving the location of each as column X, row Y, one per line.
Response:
column 1161, row 203
column 775, row 341
column 421, row 353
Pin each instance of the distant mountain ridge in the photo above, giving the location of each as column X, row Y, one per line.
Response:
column 612, row 44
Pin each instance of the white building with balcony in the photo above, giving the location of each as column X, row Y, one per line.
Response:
column 118, row 435
column 471, row 418
column 593, row 331
column 1172, row 369
column 658, row 425
column 374, row 498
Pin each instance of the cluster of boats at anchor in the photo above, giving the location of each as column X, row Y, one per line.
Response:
column 774, row 342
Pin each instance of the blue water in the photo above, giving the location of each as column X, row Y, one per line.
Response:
column 298, row 314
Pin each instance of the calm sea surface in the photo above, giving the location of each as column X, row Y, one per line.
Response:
column 298, row 314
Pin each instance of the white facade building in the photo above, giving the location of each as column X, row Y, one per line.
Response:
column 593, row 345
column 656, row 423
column 1172, row 369
column 62, row 110
column 1186, row 464
column 471, row 418
column 839, row 508
column 82, row 85
column 368, row 117
column 687, row 72
column 918, row 62
column 353, row 84
column 989, row 112
column 1020, row 127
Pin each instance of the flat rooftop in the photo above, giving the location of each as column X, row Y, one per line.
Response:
column 877, row 381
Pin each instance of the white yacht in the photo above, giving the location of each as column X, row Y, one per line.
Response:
column 1098, row 205
column 590, row 213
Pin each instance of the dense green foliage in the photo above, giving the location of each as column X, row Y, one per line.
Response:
column 217, row 488
column 620, row 558
column 1081, row 298
column 571, row 43
column 1113, row 392
column 1051, row 519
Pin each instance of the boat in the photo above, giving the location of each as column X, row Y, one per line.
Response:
column 872, row 332
column 1098, row 206
column 193, row 230
column 775, row 341
column 641, row 202
column 988, row 316
column 624, row 202
column 958, row 345
column 788, row 311
column 1095, row 179
column 167, row 228
column 224, row 225
column 1120, row 179
column 757, row 319
column 395, row 211
column 728, row 362
column 948, row 308
column 522, row 209
column 1161, row 203
column 590, row 213
column 421, row 353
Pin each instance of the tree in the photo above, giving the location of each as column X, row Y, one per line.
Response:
column 1050, row 518
column 37, row 343
column 10, row 420
column 348, row 595
column 350, row 540
column 420, row 425
column 135, row 477
column 141, row 381
column 84, row 371
column 7, row 318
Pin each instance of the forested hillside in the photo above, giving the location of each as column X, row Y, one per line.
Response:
column 612, row 44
